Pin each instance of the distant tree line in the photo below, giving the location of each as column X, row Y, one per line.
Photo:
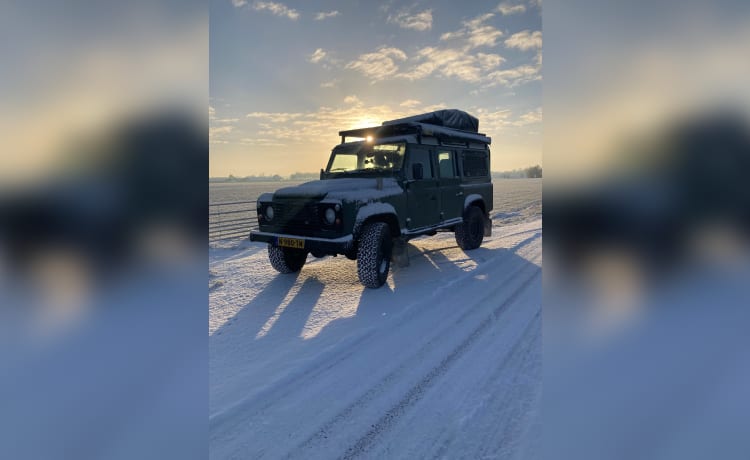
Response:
column 260, row 178
column 531, row 172
column 304, row 176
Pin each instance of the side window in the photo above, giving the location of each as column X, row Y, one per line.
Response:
column 445, row 164
column 475, row 164
column 420, row 156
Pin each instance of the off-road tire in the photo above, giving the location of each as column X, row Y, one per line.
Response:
column 374, row 254
column 286, row 260
column 470, row 232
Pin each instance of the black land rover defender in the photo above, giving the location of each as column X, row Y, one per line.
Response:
column 408, row 177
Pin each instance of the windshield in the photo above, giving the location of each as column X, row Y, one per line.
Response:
column 368, row 157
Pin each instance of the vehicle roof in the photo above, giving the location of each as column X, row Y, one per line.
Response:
column 445, row 125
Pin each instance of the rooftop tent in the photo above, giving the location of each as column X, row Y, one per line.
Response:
column 448, row 118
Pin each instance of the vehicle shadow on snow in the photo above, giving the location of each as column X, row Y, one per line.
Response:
column 272, row 315
column 428, row 268
column 258, row 311
column 440, row 262
column 267, row 339
column 292, row 318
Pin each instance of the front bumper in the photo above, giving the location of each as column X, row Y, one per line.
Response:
column 325, row 245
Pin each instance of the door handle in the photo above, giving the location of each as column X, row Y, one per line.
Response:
column 459, row 194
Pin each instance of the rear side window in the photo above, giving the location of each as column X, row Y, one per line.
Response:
column 445, row 164
column 475, row 164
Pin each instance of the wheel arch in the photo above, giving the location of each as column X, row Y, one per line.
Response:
column 478, row 201
column 475, row 200
column 376, row 212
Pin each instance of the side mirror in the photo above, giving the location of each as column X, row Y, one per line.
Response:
column 417, row 171
column 322, row 174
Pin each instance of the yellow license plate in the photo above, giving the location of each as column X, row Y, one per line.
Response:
column 292, row 243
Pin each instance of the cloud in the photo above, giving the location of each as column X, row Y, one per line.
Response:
column 513, row 77
column 525, row 40
column 452, row 63
column 322, row 125
column 409, row 103
column 528, row 118
column 329, row 84
column 217, row 130
column 239, row 3
column 418, row 21
column 378, row 65
column 489, row 61
column 447, row 62
column 323, row 57
column 492, row 121
column 506, row 8
column 261, row 142
column 317, row 56
column 322, row 15
column 275, row 117
column 277, row 9
column 459, row 61
column 219, row 127
column 476, row 33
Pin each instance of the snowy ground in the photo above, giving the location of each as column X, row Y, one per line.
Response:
column 444, row 361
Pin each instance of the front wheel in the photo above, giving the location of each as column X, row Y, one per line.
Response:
column 470, row 232
column 286, row 260
column 374, row 254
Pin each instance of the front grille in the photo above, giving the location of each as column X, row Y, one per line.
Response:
column 297, row 218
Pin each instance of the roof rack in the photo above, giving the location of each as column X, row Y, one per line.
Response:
column 443, row 134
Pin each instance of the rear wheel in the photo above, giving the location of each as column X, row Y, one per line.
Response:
column 470, row 232
column 374, row 254
column 286, row 260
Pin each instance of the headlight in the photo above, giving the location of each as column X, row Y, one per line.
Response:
column 330, row 216
column 269, row 212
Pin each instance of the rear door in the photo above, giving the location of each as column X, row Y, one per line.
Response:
column 422, row 195
column 451, row 192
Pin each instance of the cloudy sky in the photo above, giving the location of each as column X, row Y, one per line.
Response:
column 285, row 77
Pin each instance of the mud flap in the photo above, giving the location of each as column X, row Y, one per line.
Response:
column 487, row 226
column 400, row 252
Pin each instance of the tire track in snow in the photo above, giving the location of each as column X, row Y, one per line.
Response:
column 417, row 391
column 498, row 411
column 391, row 379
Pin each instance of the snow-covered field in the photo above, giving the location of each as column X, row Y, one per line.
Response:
column 444, row 361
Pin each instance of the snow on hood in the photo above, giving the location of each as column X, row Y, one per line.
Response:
column 350, row 189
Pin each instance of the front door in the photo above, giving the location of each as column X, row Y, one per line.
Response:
column 422, row 195
column 451, row 192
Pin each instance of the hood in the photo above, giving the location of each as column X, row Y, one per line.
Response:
column 344, row 189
